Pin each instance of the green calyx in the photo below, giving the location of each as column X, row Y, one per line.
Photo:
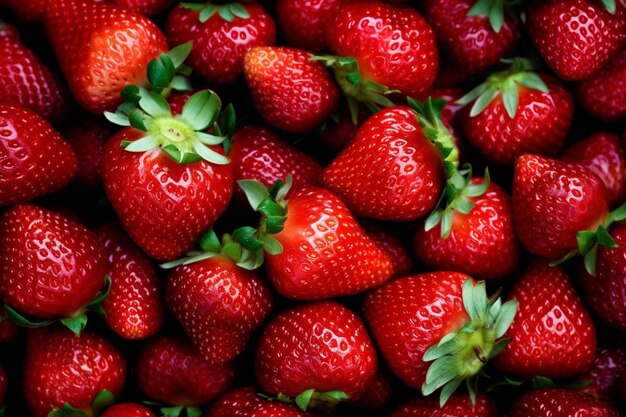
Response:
column 168, row 72
column 103, row 400
column 610, row 6
column 228, row 12
column 505, row 84
column 180, row 410
column 460, row 356
column 372, row 95
column 493, row 9
column 312, row 399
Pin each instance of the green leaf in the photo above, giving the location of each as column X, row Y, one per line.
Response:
column 480, row 8
column 154, row 104
column 179, row 54
column 472, row 95
column 228, row 120
column 104, row 399
column 75, row 324
column 468, row 299
column 180, row 83
column 439, row 350
column 207, row 12
column 496, row 16
column 193, row 411
column 269, row 207
column 246, row 236
column 505, row 317
column 251, row 260
column 272, row 246
column 226, row 14
column 304, row 399
column 239, row 10
column 255, row 192
column 498, row 347
column 590, row 260
column 160, row 72
column 136, row 120
column 442, row 371
column 142, row 145
column 281, row 194
column 201, row 109
column 448, row 390
column 586, row 240
column 275, row 224
column 542, row 382
column 534, row 82
column 197, row 257
column 618, row 215
column 209, row 241
column 604, row 238
column 193, row 6
column 209, row 154
column 483, row 101
column 610, row 6
column 117, row 118
column 510, row 97
column 208, row 139
column 131, row 94
column 172, row 411
column 22, row 321
column 102, row 294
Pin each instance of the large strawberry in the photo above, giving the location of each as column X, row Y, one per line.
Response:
column 245, row 402
column 442, row 317
column 128, row 410
column 457, row 406
column 604, row 93
column 553, row 402
column 552, row 334
column 605, row 372
column 35, row 158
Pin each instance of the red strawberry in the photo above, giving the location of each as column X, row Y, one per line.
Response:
column 409, row 318
column 604, row 155
column 245, row 402
column 321, row 346
column 221, row 35
column 289, row 91
column 35, row 158
column 481, row 243
column 134, row 308
column 147, row 7
column 61, row 367
column 27, row 11
column 605, row 372
column 376, row 395
column 457, row 406
column 391, row 245
column 576, row 37
column 171, row 372
column 604, row 93
column 101, row 48
column 8, row 331
column 552, row 334
column 340, row 129
column 128, row 410
column 553, row 402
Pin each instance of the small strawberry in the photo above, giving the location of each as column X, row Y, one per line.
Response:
column 557, row 402
column 146, row 7
column 605, row 372
column 289, row 91
column 128, row 410
column 457, row 406
column 604, row 93
column 245, row 402
column 391, row 244
column 552, row 334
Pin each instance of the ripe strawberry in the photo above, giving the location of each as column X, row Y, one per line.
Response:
column 552, row 334
column 457, row 406
column 604, row 155
column 339, row 130
column 576, row 37
column 61, row 367
column 289, row 91
column 481, row 243
column 171, row 372
column 410, row 317
column 321, row 346
column 245, row 402
column 146, row 7
column 128, row 410
column 134, row 308
column 8, row 331
column 517, row 111
column 605, row 372
column 391, row 245
column 27, row 11
column 221, row 35
column 376, row 395
column 552, row 402
column 604, row 93
column 101, row 48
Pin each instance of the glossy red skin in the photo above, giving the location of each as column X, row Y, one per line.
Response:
column 409, row 315
column 8, row 331
column 128, row 410
column 451, row 112
column 553, row 402
column 376, row 394
column 219, row 46
column 603, row 94
column 169, row 371
column 336, row 135
column 61, row 367
column 165, row 206
column 101, row 48
column 553, row 201
column 88, row 138
column 456, row 406
column 50, row 267
column 604, row 155
column 540, row 124
column 604, row 375
column 177, row 101
column 390, row 170
column 326, row 253
column 288, row 90
column 321, row 345
column 393, row 44
column 606, row 292
column 219, row 305
column 27, row 11
column 552, row 334
column 469, row 42
column 481, row 244
column 391, row 244
column 245, row 402
column 35, row 160
column 259, row 153
column 134, row 308
column 147, row 7
column 575, row 37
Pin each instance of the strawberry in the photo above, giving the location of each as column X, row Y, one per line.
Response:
column 245, row 402
column 318, row 352
column 221, row 35
column 376, row 395
column 289, row 91
column 166, row 366
column 553, row 402
column 517, row 111
column 62, row 368
column 391, row 245
column 134, row 308
column 552, row 334
column 101, row 48
column 50, row 267
column 604, row 155
column 481, row 243
column 338, row 131
column 8, row 331
column 128, row 410
column 416, row 320
column 457, row 406
column 604, row 93
column 27, row 11
column 605, row 372
column 146, row 7
column 576, row 37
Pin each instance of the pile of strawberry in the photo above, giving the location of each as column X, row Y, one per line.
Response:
column 301, row 208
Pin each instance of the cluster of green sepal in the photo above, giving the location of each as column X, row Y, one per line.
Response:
column 357, row 90
column 168, row 71
column 103, row 400
column 312, row 399
column 177, row 411
column 76, row 323
column 494, row 10
column 610, row 6
column 505, row 84
column 460, row 356
column 228, row 11
column 538, row 382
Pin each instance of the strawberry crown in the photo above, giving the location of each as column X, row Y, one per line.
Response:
column 461, row 355
column 610, row 6
column 103, row 400
column 505, row 84
column 190, row 411
column 227, row 12
column 492, row 9
column 312, row 399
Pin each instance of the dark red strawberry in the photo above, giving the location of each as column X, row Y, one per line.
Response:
column 552, row 334
column 147, row 7
column 416, row 320
column 245, row 402
column 221, row 35
column 605, row 372
column 8, row 331
column 391, row 244
column 61, row 367
column 553, row 402
column 27, row 11
column 3, row 387
column 289, row 91
column 134, row 308
column 35, row 158
column 604, row 93
column 171, row 372
column 457, row 406
column 576, row 37
column 101, row 48
column 128, row 410
column 339, row 130
column 376, row 395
